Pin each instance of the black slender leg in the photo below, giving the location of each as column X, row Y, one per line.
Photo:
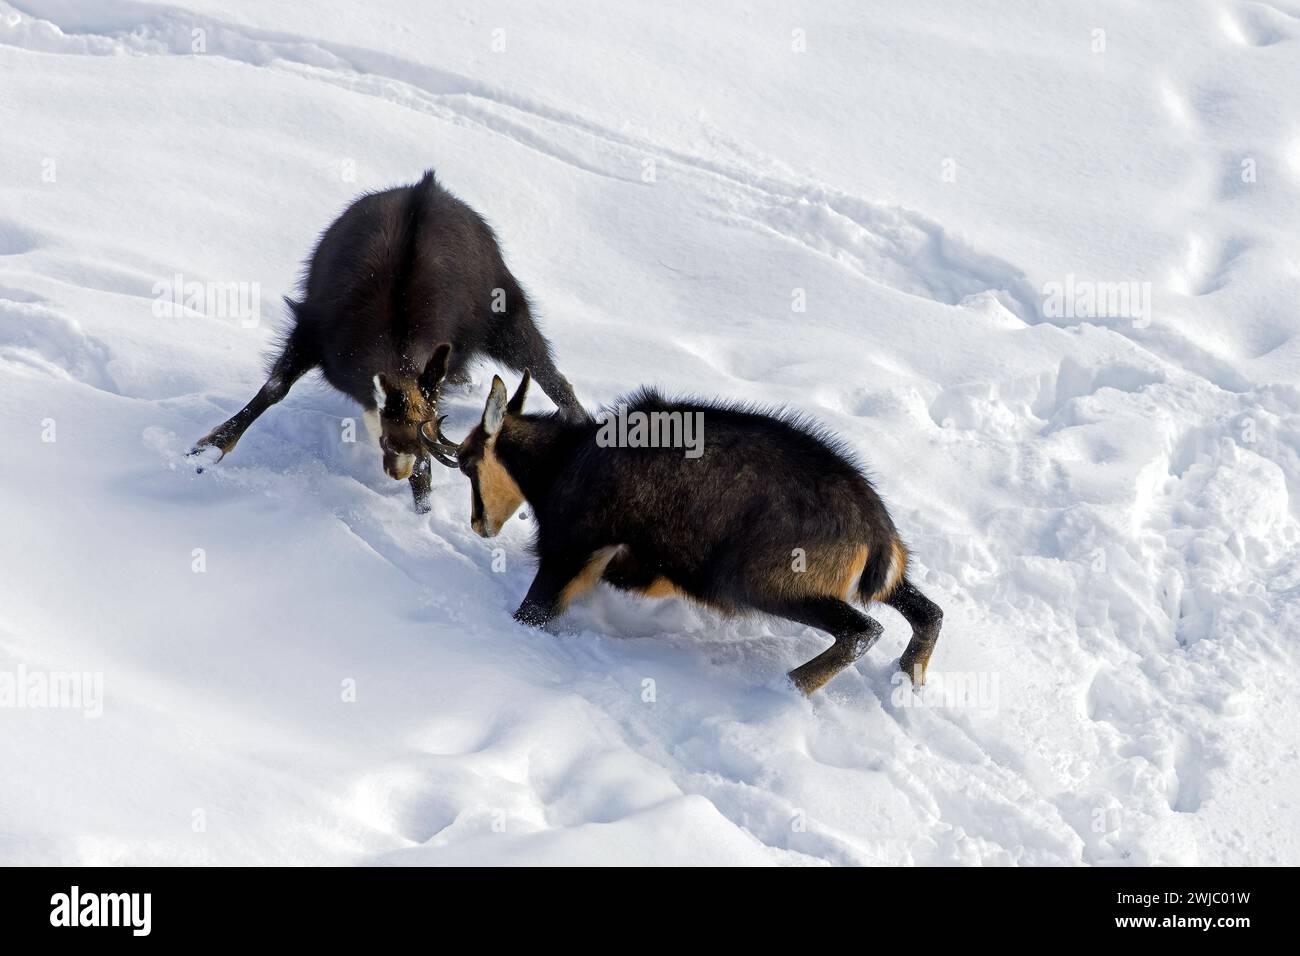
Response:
column 558, row 390
column 558, row 580
column 853, row 631
column 421, row 484
column 926, row 618
column 518, row 345
column 542, row 601
column 288, row 368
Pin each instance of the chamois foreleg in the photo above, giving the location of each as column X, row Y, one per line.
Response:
column 559, row 580
column 421, row 484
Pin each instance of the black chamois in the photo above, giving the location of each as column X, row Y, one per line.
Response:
column 767, row 513
column 405, row 288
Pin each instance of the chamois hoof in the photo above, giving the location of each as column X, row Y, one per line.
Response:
column 805, row 683
column 914, row 669
column 532, row 615
column 205, row 454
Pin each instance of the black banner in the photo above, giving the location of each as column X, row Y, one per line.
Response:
column 331, row 906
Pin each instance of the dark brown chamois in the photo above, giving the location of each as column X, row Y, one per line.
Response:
column 762, row 512
column 405, row 288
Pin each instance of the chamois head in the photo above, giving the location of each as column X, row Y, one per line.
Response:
column 494, row 495
column 402, row 407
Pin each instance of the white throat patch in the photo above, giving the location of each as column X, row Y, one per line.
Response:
column 374, row 428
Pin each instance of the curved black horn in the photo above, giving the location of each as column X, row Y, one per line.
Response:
column 440, row 447
column 442, row 436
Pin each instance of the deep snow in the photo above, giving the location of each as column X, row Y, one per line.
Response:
column 1105, row 505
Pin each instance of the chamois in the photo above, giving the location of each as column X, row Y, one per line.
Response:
column 405, row 288
column 766, row 514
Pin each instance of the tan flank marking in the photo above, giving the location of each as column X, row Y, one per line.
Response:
column 588, row 576
column 831, row 571
column 853, row 573
column 501, row 496
column 661, row 587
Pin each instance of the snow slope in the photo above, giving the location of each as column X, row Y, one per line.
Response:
column 1104, row 505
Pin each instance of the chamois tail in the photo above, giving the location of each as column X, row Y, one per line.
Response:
column 885, row 567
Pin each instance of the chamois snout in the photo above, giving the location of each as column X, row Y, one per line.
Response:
column 403, row 408
column 494, row 494
column 399, row 466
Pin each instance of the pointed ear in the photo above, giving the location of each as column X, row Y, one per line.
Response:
column 381, row 392
column 516, row 406
column 494, row 412
column 435, row 371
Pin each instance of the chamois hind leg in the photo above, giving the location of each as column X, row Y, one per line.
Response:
column 291, row 365
column 853, row 631
column 926, row 618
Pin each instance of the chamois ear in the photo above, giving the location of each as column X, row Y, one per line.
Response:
column 494, row 412
column 516, row 406
column 435, row 371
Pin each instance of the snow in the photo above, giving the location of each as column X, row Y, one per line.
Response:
column 297, row 668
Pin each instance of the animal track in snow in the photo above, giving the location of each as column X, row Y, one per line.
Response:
column 33, row 335
column 891, row 245
column 20, row 295
column 1207, row 265
column 1074, row 381
column 16, row 239
column 1254, row 24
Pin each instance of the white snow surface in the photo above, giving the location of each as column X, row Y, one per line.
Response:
column 1105, row 506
